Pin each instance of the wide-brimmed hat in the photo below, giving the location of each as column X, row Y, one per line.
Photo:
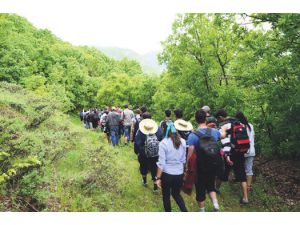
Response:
column 148, row 126
column 183, row 125
column 205, row 108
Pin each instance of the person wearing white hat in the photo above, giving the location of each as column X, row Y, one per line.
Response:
column 146, row 147
column 172, row 157
column 184, row 128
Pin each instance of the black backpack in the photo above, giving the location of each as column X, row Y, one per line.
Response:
column 136, row 126
column 209, row 150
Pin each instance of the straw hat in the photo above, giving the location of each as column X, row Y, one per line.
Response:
column 148, row 126
column 183, row 125
column 205, row 108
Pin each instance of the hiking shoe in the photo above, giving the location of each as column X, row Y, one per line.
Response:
column 217, row 209
column 243, row 201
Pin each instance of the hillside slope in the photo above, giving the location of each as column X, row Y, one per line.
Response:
column 49, row 162
column 148, row 61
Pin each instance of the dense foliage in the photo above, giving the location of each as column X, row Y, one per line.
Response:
column 47, row 163
column 247, row 63
column 237, row 62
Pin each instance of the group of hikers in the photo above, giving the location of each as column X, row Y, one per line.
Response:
column 180, row 157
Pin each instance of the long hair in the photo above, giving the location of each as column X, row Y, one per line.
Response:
column 242, row 118
column 175, row 137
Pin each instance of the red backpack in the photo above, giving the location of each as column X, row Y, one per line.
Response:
column 239, row 137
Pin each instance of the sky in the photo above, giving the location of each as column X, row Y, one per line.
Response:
column 110, row 24
column 139, row 25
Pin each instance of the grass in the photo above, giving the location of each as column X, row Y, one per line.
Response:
column 80, row 171
column 137, row 198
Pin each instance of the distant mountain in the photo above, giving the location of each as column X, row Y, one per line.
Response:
column 148, row 61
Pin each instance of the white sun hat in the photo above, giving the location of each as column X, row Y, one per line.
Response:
column 148, row 126
column 183, row 125
column 205, row 108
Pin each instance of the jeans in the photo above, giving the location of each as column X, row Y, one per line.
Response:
column 114, row 134
column 127, row 130
column 171, row 185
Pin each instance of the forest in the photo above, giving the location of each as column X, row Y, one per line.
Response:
column 239, row 62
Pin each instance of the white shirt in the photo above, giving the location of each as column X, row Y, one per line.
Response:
column 251, row 135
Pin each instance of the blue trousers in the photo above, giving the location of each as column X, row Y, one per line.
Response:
column 127, row 130
column 114, row 134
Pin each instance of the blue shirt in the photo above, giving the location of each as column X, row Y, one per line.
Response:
column 193, row 140
column 170, row 159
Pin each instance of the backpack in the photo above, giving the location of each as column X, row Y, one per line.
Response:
column 184, row 134
column 209, row 150
column 151, row 145
column 240, row 140
column 136, row 126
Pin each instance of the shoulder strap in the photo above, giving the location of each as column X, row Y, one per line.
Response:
column 198, row 133
column 208, row 131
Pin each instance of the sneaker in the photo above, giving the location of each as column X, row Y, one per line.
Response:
column 216, row 208
column 155, row 188
column 243, row 201
column 145, row 184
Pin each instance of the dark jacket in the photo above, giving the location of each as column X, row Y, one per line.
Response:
column 140, row 138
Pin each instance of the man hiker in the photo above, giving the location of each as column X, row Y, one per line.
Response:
column 127, row 117
column 113, row 120
column 135, row 121
column 202, row 141
column 167, row 118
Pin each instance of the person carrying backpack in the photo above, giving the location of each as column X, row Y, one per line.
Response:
column 146, row 146
column 113, row 120
column 167, row 119
column 136, row 121
column 185, row 127
column 127, row 117
column 104, row 125
column 204, row 143
column 81, row 115
column 250, row 154
column 235, row 145
column 171, row 160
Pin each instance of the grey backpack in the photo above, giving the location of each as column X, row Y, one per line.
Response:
column 151, row 146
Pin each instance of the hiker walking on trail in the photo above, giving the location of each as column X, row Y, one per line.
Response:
column 146, row 146
column 104, row 125
column 185, row 127
column 127, row 117
column 166, row 119
column 250, row 154
column 113, row 120
column 81, row 115
column 204, row 143
column 234, row 155
column 135, row 121
column 171, row 160
column 211, row 121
